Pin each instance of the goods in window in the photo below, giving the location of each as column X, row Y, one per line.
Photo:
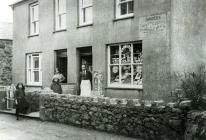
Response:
column 137, row 53
column 138, row 75
column 114, row 74
column 115, row 55
column 126, row 54
column 126, row 75
column 115, row 60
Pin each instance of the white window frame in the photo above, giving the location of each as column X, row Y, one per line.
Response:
column 118, row 9
column 30, row 69
column 34, row 19
column 120, row 85
column 59, row 25
column 83, row 8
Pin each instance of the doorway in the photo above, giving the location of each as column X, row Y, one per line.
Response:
column 84, row 56
column 61, row 62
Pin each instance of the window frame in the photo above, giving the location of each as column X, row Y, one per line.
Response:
column 58, row 15
column 30, row 81
column 32, row 22
column 81, row 16
column 118, row 9
column 120, row 85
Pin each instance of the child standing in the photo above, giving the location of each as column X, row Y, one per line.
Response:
column 21, row 104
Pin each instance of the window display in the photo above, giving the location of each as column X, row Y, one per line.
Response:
column 125, row 65
column 126, row 74
column 115, row 74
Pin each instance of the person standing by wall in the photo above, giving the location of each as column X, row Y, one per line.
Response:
column 21, row 104
column 85, row 81
column 56, row 79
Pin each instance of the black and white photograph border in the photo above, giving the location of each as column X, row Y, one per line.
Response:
column 102, row 70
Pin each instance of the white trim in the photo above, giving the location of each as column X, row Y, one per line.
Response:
column 34, row 18
column 118, row 12
column 30, row 70
column 59, row 15
column 119, row 84
column 82, row 15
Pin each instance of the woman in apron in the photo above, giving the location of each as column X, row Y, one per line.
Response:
column 85, row 81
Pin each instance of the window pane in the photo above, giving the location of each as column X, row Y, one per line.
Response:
column 126, row 74
column 32, row 28
column 130, row 7
column 114, row 74
column 126, row 54
column 36, row 13
column 63, row 21
column 62, row 6
column 123, row 8
column 88, row 14
column 29, row 62
column 36, row 76
column 137, row 74
column 137, row 53
column 35, row 62
column 114, row 53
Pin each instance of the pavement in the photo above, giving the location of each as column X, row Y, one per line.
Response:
column 29, row 129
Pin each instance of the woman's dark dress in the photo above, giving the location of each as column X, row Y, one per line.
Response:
column 56, row 87
column 22, row 105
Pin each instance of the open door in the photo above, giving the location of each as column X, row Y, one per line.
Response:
column 61, row 63
column 84, row 57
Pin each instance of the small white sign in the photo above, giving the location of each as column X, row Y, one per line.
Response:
column 153, row 25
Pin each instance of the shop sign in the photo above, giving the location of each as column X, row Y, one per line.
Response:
column 152, row 25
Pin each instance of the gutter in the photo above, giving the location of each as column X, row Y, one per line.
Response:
column 16, row 3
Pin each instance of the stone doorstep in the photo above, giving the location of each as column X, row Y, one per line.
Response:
column 33, row 115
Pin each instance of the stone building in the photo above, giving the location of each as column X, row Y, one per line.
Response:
column 5, row 53
column 134, row 48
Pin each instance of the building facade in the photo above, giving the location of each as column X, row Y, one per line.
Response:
column 134, row 48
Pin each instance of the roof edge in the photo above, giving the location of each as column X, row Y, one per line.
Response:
column 18, row 2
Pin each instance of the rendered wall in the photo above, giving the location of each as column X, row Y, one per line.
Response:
column 105, row 30
column 188, row 48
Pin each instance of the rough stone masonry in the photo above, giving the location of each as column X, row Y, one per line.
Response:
column 5, row 62
column 121, row 116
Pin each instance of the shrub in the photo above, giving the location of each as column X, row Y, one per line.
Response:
column 193, row 87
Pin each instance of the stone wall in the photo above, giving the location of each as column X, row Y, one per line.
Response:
column 5, row 62
column 121, row 116
column 33, row 99
column 196, row 125
column 31, row 96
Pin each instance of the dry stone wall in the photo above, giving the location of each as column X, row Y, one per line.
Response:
column 5, row 62
column 121, row 116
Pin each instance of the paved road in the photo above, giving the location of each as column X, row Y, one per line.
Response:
column 27, row 129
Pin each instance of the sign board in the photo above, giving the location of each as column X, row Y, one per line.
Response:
column 153, row 25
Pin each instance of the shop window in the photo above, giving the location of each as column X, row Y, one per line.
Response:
column 125, row 65
column 34, row 72
column 34, row 19
column 60, row 14
column 124, row 8
column 85, row 12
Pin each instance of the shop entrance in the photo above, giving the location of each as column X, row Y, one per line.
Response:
column 61, row 62
column 84, row 56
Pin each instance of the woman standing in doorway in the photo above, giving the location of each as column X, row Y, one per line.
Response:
column 56, row 79
column 85, row 81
